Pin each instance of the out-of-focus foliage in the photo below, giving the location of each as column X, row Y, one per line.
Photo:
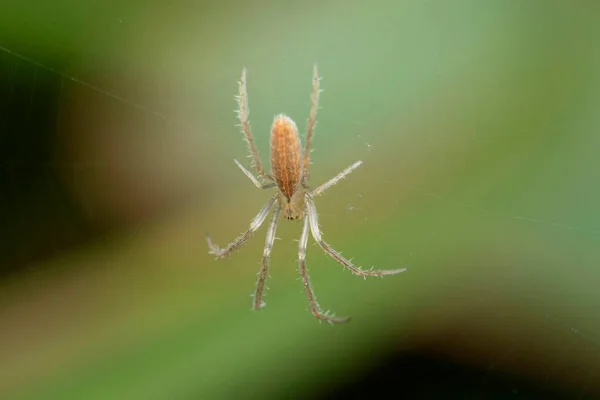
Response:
column 479, row 126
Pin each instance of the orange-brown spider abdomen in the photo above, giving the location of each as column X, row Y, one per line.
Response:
column 286, row 155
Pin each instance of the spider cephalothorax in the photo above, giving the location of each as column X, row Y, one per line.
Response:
column 294, row 198
column 292, row 208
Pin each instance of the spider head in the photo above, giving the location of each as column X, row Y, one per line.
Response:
column 292, row 208
column 290, row 212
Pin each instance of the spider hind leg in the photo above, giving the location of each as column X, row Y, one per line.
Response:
column 312, row 299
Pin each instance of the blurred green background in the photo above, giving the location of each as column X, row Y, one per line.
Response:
column 478, row 123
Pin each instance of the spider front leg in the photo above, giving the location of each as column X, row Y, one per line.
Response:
column 243, row 113
column 241, row 240
column 264, row 269
column 312, row 120
column 312, row 299
column 356, row 270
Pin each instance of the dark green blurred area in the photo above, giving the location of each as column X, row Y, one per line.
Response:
column 479, row 127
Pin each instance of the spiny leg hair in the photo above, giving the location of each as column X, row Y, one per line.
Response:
column 267, row 185
column 319, row 190
column 241, row 240
column 243, row 113
column 264, row 269
column 356, row 270
column 312, row 120
column 312, row 300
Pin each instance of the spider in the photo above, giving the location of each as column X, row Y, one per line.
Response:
column 294, row 197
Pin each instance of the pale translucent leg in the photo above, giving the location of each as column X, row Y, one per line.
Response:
column 264, row 270
column 312, row 299
column 317, row 191
column 259, row 185
column 241, row 240
column 312, row 120
column 243, row 113
column 356, row 270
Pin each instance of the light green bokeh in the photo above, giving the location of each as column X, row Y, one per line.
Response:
column 478, row 123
